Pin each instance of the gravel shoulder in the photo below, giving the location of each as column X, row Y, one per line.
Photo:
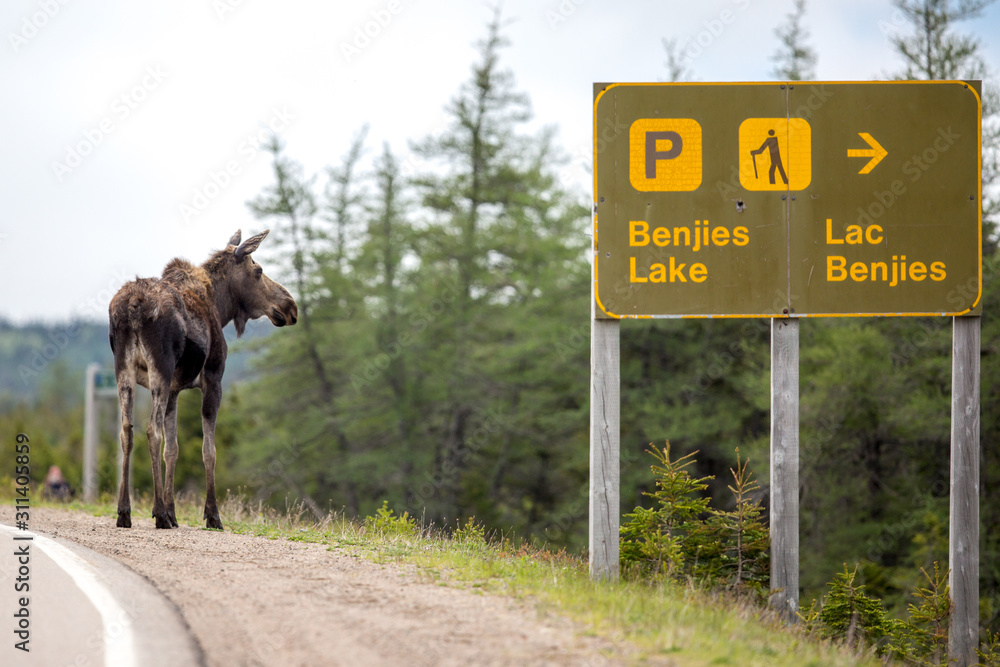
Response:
column 254, row 601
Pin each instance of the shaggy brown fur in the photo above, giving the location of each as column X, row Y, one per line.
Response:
column 166, row 335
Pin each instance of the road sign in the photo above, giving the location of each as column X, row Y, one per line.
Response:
column 787, row 199
column 104, row 383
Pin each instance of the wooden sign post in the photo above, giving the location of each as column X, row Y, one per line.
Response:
column 785, row 466
column 963, row 525
column 605, row 436
column 90, row 434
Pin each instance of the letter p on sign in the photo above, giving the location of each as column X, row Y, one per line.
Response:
column 665, row 154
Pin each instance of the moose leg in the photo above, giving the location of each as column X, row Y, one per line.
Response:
column 170, row 451
column 125, row 396
column 211, row 398
column 155, row 433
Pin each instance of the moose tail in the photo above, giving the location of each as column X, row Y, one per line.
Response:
column 135, row 312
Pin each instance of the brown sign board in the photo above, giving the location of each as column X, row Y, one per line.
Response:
column 787, row 199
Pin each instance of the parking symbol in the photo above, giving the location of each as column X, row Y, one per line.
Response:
column 665, row 154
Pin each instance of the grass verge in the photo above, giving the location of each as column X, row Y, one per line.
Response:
column 660, row 623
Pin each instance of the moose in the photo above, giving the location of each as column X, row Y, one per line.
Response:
column 166, row 335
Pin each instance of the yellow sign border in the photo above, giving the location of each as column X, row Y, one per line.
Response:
column 979, row 157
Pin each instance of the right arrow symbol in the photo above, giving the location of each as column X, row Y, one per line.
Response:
column 876, row 152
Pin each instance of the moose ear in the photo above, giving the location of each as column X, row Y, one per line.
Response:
column 250, row 245
column 235, row 238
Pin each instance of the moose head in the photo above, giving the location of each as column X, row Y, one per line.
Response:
column 243, row 291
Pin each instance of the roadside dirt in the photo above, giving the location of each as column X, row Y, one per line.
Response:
column 254, row 601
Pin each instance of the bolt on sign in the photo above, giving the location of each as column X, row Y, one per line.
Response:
column 787, row 199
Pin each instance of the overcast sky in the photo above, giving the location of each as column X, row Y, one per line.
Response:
column 130, row 130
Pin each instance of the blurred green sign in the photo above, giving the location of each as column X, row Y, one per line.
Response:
column 787, row 199
column 105, row 383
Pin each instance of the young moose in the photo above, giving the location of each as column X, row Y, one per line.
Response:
column 166, row 335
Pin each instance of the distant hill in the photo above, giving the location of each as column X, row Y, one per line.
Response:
column 33, row 356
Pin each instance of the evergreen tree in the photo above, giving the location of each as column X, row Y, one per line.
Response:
column 343, row 197
column 667, row 538
column 387, row 399
column 744, row 531
column 795, row 60
column 681, row 535
column 479, row 148
column 502, row 239
column 850, row 614
column 677, row 65
column 295, row 403
column 444, row 368
column 933, row 51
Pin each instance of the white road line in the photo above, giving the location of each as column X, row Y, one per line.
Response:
column 119, row 644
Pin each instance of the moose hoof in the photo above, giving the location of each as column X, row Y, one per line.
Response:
column 125, row 519
column 162, row 521
column 213, row 522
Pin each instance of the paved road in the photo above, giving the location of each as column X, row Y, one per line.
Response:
column 83, row 609
column 249, row 600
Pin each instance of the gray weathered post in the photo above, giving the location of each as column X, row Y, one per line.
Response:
column 963, row 527
column 605, row 436
column 785, row 466
column 90, row 434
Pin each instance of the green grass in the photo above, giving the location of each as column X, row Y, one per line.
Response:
column 644, row 621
